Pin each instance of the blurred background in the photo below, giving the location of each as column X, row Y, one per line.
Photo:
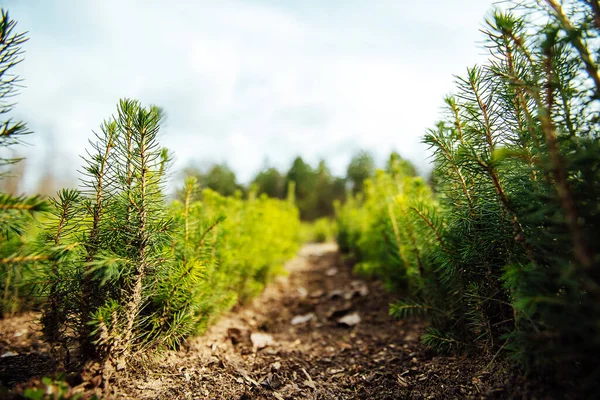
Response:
column 255, row 91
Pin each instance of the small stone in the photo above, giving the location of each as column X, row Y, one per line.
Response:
column 302, row 319
column 261, row 340
column 331, row 271
column 360, row 287
column 349, row 320
column 9, row 354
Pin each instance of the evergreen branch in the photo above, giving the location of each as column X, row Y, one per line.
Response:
column 210, row 228
column 596, row 9
column 473, row 82
column 97, row 167
column 559, row 173
column 394, row 222
column 21, row 203
column 430, row 225
column 413, row 239
column 450, row 158
column 403, row 309
column 441, row 341
column 23, row 259
column 574, row 36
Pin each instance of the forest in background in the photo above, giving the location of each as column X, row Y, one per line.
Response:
column 316, row 187
column 499, row 252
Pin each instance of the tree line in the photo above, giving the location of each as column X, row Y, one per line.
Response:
column 316, row 188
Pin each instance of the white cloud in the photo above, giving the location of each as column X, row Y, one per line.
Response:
column 245, row 80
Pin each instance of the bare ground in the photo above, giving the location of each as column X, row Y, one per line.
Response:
column 300, row 339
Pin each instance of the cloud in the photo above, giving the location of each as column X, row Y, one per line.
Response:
column 244, row 80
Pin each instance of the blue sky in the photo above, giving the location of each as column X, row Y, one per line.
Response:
column 245, row 81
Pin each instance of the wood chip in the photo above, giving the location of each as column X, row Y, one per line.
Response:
column 252, row 381
column 309, row 382
column 401, row 381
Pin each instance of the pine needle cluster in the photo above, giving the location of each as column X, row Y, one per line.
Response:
column 107, row 240
column 15, row 211
column 125, row 273
column 508, row 250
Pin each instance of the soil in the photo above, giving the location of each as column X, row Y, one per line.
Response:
column 318, row 333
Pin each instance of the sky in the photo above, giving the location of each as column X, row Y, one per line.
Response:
column 246, row 82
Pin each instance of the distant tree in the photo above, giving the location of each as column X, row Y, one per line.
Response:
column 396, row 165
column 303, row 174
column 314, row 189
column 338, row 188
column 361, row 167
column 328, row 189
column 219, row 177
column 305, row 180
column 271, row 182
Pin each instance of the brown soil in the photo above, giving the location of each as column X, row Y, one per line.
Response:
column 321, row 358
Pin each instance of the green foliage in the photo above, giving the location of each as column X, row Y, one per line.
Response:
column 507, row 256
column 51, row 389
column 251, row 244
column 125, row 273
column 320, row 231
column 219, row 177
column 225, row 249
column 270, row 182
column 48, row 388
column 361, row 167
column 316, row 189
column 372, row 227
column 107, row 242
column 303, row 176
column 11, row 132
column 15, row 211
column 396, row 165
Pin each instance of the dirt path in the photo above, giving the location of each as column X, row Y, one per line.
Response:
column 322, row 358
column 301, row 339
